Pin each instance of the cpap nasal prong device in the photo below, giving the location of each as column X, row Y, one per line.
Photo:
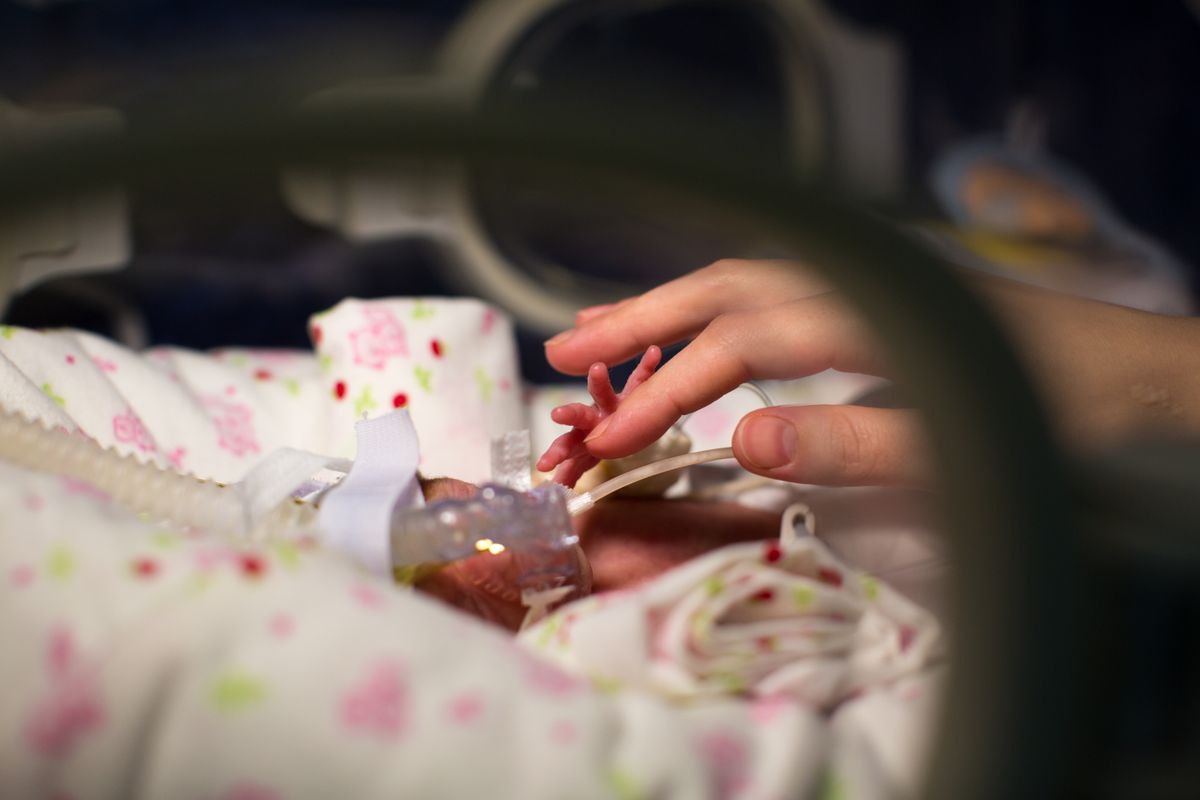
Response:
column 496, row 518
column 533, row 527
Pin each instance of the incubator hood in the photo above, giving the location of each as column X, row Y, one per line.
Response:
column 841, row 106
column 1043, row 546
column 842, row 95
column 85, row 233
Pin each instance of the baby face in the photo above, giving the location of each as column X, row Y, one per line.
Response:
column 626, row 542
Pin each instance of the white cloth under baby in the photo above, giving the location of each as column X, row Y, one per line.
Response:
column 782, row 618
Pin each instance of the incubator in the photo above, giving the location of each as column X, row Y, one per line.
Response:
column 1010, row 501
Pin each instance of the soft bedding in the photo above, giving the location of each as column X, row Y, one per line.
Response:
column 147, row 662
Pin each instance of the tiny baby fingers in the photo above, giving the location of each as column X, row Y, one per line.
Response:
column 644, row 369
column 577, row 415
column 559, row 450
column 571, row 470
column 601, row 389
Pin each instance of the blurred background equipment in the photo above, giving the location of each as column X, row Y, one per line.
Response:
column 870, row 94
column 83, row 234
column 783, row 77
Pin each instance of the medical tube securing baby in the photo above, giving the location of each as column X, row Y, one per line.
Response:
column 497, row 519
column 533, row 528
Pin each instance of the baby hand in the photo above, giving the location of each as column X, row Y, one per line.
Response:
column 569, row 452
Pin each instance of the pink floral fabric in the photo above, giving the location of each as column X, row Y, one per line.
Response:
column 451, row 363
column 213, row 415
column 271, row 670
column 379, row 339
column 192, row 665
column 784, row 618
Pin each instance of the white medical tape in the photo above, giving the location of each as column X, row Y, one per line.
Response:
column 356, row 515
column 538, row 603
column 323, row 480
column 510, row 460
column 275, row 479
column 788, row 533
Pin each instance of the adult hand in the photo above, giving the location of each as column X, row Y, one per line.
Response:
column 747, row 320
column 1104, row 369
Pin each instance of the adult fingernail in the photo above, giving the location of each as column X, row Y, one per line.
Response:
column 560, row 338
column 768, row 442
column 599, row 430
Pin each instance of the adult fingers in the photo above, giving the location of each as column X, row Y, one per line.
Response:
column 789, row 340
column 675, row 311
column 584, row 314
column 833, row 445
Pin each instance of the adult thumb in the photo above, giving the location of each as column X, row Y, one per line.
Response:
column 833, row 445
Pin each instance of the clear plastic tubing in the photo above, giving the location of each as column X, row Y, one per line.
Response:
column 578, row 503
column 160, row 494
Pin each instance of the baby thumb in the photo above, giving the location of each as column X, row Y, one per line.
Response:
column 832, row 445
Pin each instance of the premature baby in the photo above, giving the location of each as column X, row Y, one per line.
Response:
column 625, row 542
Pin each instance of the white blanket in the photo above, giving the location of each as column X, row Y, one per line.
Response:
column 140, row 662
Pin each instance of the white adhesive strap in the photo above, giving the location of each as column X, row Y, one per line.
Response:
column 538, row 603
column 788, row 532
column 511, row 459
column 276, row 478
column 323, row 480
column 356, row 516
